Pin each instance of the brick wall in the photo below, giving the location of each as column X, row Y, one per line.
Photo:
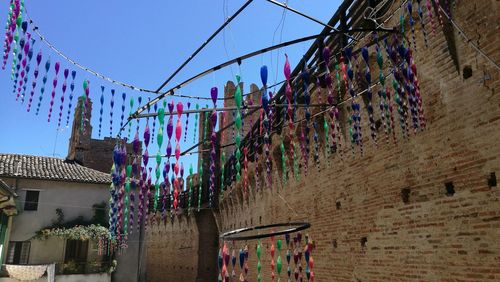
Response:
column 422, row 209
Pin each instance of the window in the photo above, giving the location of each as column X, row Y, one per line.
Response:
column 76, row 250
column 18, row 252
column 31, row 201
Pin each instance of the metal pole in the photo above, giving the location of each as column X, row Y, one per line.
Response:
column 204, row 44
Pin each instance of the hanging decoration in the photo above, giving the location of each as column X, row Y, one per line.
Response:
column 85, row 104
column 213, row 154
column 200, row 169
column 44, row 82
column 63, row 88
column 142, row 209
column 273, row 264
column 28, row 55
column 187, row 121
column 15, row 55
column 159, row 139
column 238, row 100
column 111, row 106
column 259, row 266
column 420, row 13
column 16, row 68
column 170, row 131
column 155, row 108
column 101, row 110
column 178, row 134
column 412, row 26
column 71, row 93
column 369, row 95
column 35, row 75
column 165, row 190
column 190, row 184
column 14, row 9
column 330, row 148
column 196, row 123
column 288, row 257
column 136, row 163
column 122, row 117
column 266, row 124
column 290, row 110
column 305, row 132
column 130, row 113
column 222, row 167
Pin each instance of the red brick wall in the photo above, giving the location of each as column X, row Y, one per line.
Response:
column 432, row 237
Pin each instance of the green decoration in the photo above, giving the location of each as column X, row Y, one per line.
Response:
column 238, row 98
column 259, row 266
column 222, row 163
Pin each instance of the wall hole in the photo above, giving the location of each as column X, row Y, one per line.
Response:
column 334, row 243
column 338, row 205
column 363, row 242
column 405, row 195
column 467, row 71
column 492, row 180
column 450, row 188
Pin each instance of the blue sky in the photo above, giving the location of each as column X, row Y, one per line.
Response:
column 142, row 43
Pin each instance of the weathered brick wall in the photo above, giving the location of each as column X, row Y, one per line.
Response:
column 172, row 251
column 364, row 227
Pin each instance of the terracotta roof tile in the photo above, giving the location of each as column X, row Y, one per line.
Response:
column 49, row 168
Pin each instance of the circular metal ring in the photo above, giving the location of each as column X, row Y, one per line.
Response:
column 293, row 227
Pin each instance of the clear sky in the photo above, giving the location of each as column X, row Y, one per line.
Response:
column 142, row 43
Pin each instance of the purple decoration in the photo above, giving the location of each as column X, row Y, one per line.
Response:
column 35, row 74
column 111, row 104
column 170, row 127
column 64, row 87
column 187, row 122
column 101, row 110
column 54, row 84
column 213, row 93
column 72, row 88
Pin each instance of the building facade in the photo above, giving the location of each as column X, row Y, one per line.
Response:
column 421, row 209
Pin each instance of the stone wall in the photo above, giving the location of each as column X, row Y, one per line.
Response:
column 422, row 209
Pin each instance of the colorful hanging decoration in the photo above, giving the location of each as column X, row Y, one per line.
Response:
column 213, row 154
column 309, row 259
column 288, row 257
column 273, row 264
column 126, row 201
column 154, row 122
column 420, row 13
column 356, row 116
column 159, row 139
column 136, row 146
column 187, row 121
column 369, row 95
column 190, row 184
column 279, row 261
column 200, row 169
column 111, row 106
column 289, row 93
column 330, row 148
column 142, row 209
column 63, row 88
column 130, row 113
column 384, row 96
column 35, row 77
column 283, row 162
column 165, row 190
column 178, row 134
column 266, row 124
column 222, row 167
column 54, row 85
column 259, row 266
column 238, row 100
column 196, row 123
column 101, row 110
column 85, row 104
column 16, row 55
column 14, row 9
column 412, row 25
column 28, row 55
column 170, row 131
column 305, row 132
column 122, row 117
column 44, row 82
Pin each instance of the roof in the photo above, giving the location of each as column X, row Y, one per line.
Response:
column 49, row 168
